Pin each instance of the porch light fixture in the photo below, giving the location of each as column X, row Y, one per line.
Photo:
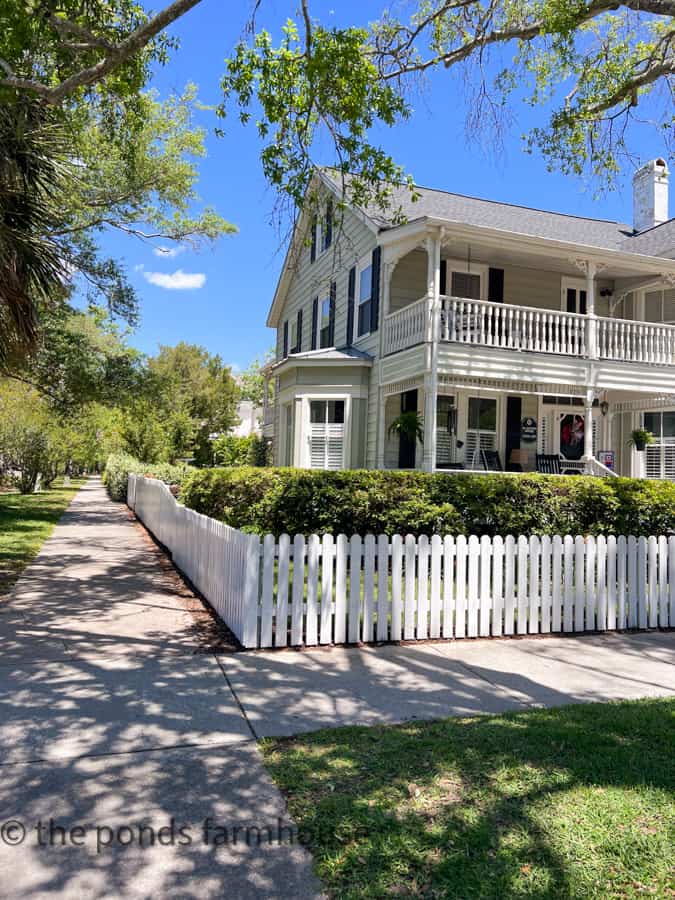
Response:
column 604, row 407
column 606, row 292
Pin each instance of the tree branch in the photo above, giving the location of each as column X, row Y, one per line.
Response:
column 117, row 55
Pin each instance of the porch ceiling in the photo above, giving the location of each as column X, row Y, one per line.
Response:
column 494, row 253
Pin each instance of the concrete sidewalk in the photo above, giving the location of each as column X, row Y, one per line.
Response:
column 111, row 718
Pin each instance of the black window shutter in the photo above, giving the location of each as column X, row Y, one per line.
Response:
column 444, row 276
column 496, row 285
column 285, row 338
column 312, row 251
column 351, row 291
column 375, row 291
column 328, row 238
column 331, row 318
column 315, row 316
column 298, row 346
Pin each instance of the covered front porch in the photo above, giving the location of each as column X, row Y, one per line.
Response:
column 487, row 425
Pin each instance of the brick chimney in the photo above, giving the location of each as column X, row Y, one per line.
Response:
column 650, row 195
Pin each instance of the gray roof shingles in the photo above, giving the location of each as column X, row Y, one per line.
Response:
column 599, row 233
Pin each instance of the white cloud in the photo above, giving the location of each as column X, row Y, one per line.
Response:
column 169, row 252
column 176, row 281
column 139, row 267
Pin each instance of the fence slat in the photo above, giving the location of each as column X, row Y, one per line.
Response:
column 509, row 583
column 281, row 630
column 621, row 576
column 354, row 588
column 251, row 610
column 556, row 583
column 396, row 578
column 523, row 548
column 326, row 607
column 269, row 552
column 652, row 581
column 485, row 588
column 312, row 604
column 632, row 554
column 671, row 580
column 448, row 586
column 545, row 592
column 341, row 589
column 298, row 600
column 663, row 581
column 435, row 600
column 497, row 585
column 409, row 603
column 382, row 587
column 612, row 578
column 642, row 581
column 368, row 587
column 422, row 587
column 591, row 575
column 601, row 590
column 568, row 582
column 579, row 582
column 533, row 611
column 473, row 587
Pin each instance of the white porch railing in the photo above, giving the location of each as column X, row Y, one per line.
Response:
column 511, row 327
column 636, row 341
column 407, row 327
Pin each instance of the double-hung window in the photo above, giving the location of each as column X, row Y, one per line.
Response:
column 365, row 299
column 293, row 335
column 326, row 434
column 660, row 456
column 324, row 324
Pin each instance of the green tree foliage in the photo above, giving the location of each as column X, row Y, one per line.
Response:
column 252, row 380
column 195, row 396
column 86, row 148
column 589, row 63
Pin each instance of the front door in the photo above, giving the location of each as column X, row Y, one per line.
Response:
column 407, row 443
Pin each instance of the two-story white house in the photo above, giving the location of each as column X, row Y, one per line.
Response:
column 524, row 338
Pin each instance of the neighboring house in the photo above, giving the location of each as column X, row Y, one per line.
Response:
column 250, row 418
column 510, row 330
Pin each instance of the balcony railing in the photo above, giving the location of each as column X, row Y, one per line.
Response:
column 510, row 327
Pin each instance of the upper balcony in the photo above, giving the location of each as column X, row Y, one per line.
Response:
column 526, row 328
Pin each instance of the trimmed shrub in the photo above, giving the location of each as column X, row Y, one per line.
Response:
column 120, row 465
column 299, row 501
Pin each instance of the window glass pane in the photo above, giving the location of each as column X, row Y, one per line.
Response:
column 482, row 414
column 653, row 423
column 668, row 424
column 364, row 318
column 465, row 285
column 325, row 312
column 317, row 411
column 365, row 284
column 294, row 334
column 336, row 412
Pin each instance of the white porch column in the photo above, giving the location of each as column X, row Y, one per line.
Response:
column 431, row 378
column 592, row 329
column 381, row 423
column 588, row 426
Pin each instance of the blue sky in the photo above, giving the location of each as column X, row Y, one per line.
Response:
column 227, row 313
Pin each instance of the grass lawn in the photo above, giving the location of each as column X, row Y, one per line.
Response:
column 26, row 520
column 571, row 802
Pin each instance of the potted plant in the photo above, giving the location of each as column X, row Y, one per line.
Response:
column 640, row 437
column 410, row 424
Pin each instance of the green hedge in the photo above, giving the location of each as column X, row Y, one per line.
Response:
column 298, row 501
column 120, row 465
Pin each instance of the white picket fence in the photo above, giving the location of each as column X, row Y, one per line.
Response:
column 322, row 590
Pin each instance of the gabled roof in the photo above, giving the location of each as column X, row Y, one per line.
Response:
column 462, row 210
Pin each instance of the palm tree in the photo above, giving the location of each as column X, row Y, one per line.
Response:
column 34, row 174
